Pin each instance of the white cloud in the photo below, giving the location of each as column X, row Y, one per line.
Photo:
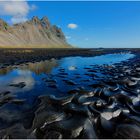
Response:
column 68, row 37
column 19, row 19
column 17, row 9
column 22, row 76
column 72, row 26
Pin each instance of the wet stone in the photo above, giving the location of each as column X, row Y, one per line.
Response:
column 53, row 86
column 69, row 82
column 19, row 85
column 101, row 101
column 127, row 131
column 53, row 135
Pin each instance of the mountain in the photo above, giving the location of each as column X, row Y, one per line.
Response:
column 34, row 33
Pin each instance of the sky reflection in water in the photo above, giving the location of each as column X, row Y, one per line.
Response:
column 33, row 73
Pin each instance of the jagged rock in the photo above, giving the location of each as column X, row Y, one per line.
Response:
column 33, row 33
column 35, row 20
column 45, row 22
column 58, row 32
column 3, row 25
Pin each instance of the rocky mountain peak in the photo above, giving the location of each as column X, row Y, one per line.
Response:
column 58, row 32
column 35, row 20
column 33, row 33
column 45, row 22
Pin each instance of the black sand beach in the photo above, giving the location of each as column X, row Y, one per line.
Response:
column 18, row 56
column 108, row 108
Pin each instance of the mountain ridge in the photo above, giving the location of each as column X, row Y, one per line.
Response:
column 34, row 33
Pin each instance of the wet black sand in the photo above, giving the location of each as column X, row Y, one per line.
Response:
column 18, row 56
column 110, row 110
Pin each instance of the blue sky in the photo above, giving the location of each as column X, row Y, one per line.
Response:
column 91, row 24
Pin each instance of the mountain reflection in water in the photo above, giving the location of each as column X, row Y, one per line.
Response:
column 57, row 76
column 101, row 85
column 24, row 73
column 38, row 67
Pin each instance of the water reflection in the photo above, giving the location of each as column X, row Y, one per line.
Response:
column 108, row 59
column 17, row 77
column 24, row 73
column 38, row 67
column 41, row 67
column 56, row 74
column 4, row 71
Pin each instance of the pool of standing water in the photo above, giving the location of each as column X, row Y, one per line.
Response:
column 57, row 76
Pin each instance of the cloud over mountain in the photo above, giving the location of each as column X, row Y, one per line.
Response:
column 17, row 9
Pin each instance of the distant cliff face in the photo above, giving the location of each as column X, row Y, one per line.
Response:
column 33, row 33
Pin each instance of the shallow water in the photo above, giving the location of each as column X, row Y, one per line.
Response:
column 23, row 109
column 37, row 76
